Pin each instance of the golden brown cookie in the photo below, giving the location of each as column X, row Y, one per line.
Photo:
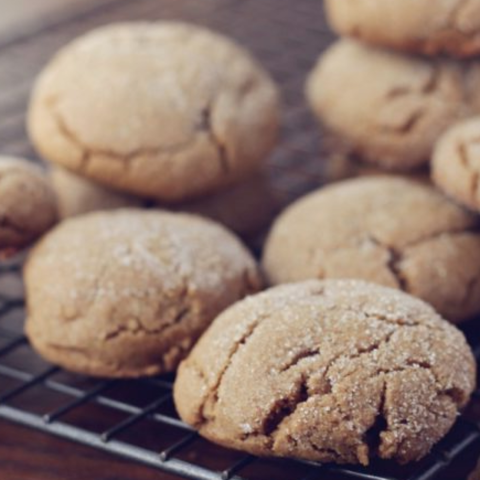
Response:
column 333, row 371
column 456, row 163
column 246, row 207
column 27, row 204
column 162, row 110
column 127, row 293
column 388, row 230
column 419, row 26
column 388, row 107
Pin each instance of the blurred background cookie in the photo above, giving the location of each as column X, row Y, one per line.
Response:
column 167, row 111
column 129, row 292
column 390, row 108
column 332, row 371
column 246, row 207
column 420, row 26
column 385, row 229
column 27, row 204
column 456, row 163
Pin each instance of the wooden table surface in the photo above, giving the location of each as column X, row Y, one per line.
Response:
column 27, row 454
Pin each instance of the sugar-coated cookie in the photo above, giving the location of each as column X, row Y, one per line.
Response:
column 27, row 204
column 162, row 110
column 384, row 229
column 451, row 27
column 246, row 207
column 127, row 293
column 333, row 371
column 456, row 163
column 390, row 107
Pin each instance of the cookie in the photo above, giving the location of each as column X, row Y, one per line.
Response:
column 152, row 109
column 388, row 107
column 384, row 229
column 245, row 207
column 332, row 371
column 130, row 291
column 27, row 204
column 450, row 27
column 456, row 163
column 339, row 163
column 77, row 195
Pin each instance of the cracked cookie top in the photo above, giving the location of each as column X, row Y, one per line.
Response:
column 449, row 27
column 456, row 163
column 384, row 229
column 127, row 293
column 27, row 204
column 333, row 370
column 162, row 110
column 390, row 108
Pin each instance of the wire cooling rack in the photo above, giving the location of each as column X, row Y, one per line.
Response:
column 137, row 419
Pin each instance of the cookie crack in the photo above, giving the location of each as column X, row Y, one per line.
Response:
column 474, row 174
column 302, row 355
column 206, row 126
column 213, row 393
column 372, row 437
column 88, row 152
column 393, row 263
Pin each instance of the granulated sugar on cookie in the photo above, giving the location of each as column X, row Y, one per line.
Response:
column 332, row 371
column 384, row 229
column 127, row 293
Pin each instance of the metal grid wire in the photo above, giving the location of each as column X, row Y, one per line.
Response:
column 136, row 419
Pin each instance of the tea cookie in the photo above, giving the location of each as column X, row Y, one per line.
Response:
column 27, row 204
column 384, row 229
column 391, row 108
column 449, row 27
column 456, row 163
column 130, row 291
column 333, row 371
column 246, row 207
column 77, row 195
column 162, row 110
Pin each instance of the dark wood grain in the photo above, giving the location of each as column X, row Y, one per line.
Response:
column 29, row 455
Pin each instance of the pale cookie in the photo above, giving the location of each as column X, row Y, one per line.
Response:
column 332, row 371
column 162, row 110
column 456, row 163
column 246, row 207
column 77, row 195
column 384, row 229
column 127, row 293
column 27, row 204
column 449, row 27
column 391, row 108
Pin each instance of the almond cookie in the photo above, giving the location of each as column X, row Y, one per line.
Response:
column 246, row 207
column 27, row 204
column 161, row 110
column 384, row 229
column 130, row 291
column 332, row 371
column 391, row 108
column 456, row 163
column 451, row 27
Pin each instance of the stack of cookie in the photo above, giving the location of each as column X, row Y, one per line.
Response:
column 401, row 75
column 327, row 368
column 140, row 113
